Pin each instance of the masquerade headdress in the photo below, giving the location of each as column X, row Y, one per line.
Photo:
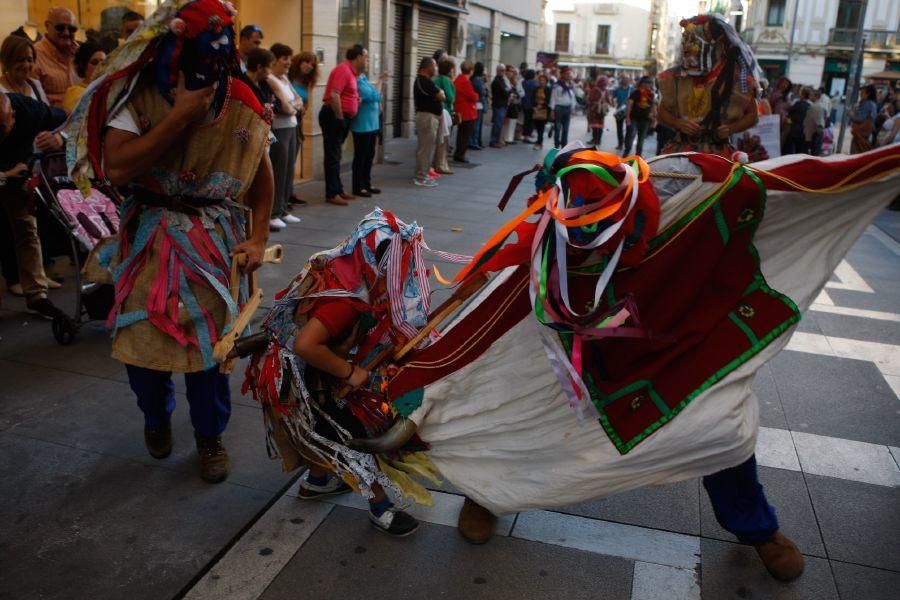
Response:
column 200, row 32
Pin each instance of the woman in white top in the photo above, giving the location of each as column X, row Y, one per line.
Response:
column 17, row 61
column 284, row 125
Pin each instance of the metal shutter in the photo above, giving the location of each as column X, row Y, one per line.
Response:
column 434, row 33
column 399, row 74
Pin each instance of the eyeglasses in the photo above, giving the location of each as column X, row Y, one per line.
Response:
column 60, row 27
column 95, row 61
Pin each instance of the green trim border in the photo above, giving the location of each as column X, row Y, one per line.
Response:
column 759, row 283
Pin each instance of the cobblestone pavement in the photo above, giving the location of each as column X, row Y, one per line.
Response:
column 86, row 513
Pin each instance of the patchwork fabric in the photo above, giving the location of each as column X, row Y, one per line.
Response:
column 705, row 305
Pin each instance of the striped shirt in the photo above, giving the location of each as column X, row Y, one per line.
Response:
column 55, row 70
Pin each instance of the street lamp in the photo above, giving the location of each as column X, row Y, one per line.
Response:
column 790, row 50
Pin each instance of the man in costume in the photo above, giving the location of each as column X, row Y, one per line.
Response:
column 712, row 93
column 170, row 119
column 319, row 378
column 661, row 382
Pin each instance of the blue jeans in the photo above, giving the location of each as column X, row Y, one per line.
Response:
column 561, row 132
column 207, row 393
column 740, row 503
column 475, row 137
column 498, row 115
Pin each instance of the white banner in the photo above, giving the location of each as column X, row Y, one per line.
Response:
column 762, row 141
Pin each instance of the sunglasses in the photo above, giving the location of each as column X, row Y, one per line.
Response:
column 60, row 27
column 95, row 61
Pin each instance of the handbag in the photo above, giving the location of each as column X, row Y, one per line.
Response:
column 540, row 114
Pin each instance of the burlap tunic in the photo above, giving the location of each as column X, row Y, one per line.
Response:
column 217, row 159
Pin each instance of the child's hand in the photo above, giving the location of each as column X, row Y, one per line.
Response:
column 358, row 378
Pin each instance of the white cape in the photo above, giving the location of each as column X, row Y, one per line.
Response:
column 501, row 430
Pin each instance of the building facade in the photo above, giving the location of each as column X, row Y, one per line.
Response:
column 397, row 33
column 824, row 35
column 616, row 37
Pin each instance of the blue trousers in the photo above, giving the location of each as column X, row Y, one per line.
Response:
column 561, row 133
column 498, row 115
column 475, row 138
column 740, row 503
column 207, row 393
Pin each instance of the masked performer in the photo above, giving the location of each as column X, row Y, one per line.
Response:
column 646, row 304
column 712, row 93
column 170, row 120
column 315, row 379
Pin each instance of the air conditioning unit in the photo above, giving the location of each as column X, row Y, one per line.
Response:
column 606, row 9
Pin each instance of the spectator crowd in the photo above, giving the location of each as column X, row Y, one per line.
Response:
column 457, row 107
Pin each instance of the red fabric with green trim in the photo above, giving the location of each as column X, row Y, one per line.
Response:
column 707, row 307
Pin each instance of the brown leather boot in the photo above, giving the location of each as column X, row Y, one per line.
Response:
column 214, row 465
column 476, row 523
column 781, row 557
column 158, row 441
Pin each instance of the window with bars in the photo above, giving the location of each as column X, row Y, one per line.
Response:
column 562, row 37
column 602, row 46
column 775, row 13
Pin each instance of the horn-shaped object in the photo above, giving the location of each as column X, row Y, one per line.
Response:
column 392, row 439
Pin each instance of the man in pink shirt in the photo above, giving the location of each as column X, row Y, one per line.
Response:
column 339, row 105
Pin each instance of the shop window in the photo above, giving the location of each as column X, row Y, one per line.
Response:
column 562, row 37
column 602, row 46
column 775, row 14
column 848, row 14
column 477, row 42
column 351, row 25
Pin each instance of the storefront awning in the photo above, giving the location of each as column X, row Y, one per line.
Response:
column 444, row 5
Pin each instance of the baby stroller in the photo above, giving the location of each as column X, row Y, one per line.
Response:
column 85, row 221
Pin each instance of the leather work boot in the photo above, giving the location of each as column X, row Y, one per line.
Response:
column 158, row 441
column 214, row 465
column 781, row 557
column 476, row 523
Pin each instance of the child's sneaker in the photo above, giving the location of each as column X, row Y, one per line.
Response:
column 312, row 488
column 394, row 521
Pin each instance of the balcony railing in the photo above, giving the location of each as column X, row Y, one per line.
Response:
column 875, row 39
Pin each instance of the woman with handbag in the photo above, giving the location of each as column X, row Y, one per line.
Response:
column 284, row 126
column 540, row 101
column 598, row 103
column 444, row 82
column 466, row 106
column 514, row 108
column 862, row 120
column 480, row 87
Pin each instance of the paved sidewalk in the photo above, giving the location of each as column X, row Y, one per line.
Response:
column 86, row 513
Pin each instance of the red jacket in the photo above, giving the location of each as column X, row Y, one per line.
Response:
column 466, row 98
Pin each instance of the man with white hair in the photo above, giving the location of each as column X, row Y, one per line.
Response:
column 54, row 62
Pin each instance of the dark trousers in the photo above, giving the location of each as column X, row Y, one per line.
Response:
column 815, row 146
column 528, row 125
column 498, row 115
column 363, row 156
column 334, row 132
column 207, row 393
column 561, row 132
column 620, row 131
column 283, row 154
column 463, row 134
column 596, row 136
column 639, row 128
column 539, row 128
column 475, row 138
column 740, row 504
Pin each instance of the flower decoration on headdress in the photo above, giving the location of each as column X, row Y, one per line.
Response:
column 178, row 26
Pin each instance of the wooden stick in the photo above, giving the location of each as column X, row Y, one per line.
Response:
column 468, row 289
column 673, row 175
column 226, row 342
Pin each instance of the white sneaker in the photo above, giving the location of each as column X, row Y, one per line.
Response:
column 334, row 485
column 291, row 219
column 277, row 224
column 425, row 182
